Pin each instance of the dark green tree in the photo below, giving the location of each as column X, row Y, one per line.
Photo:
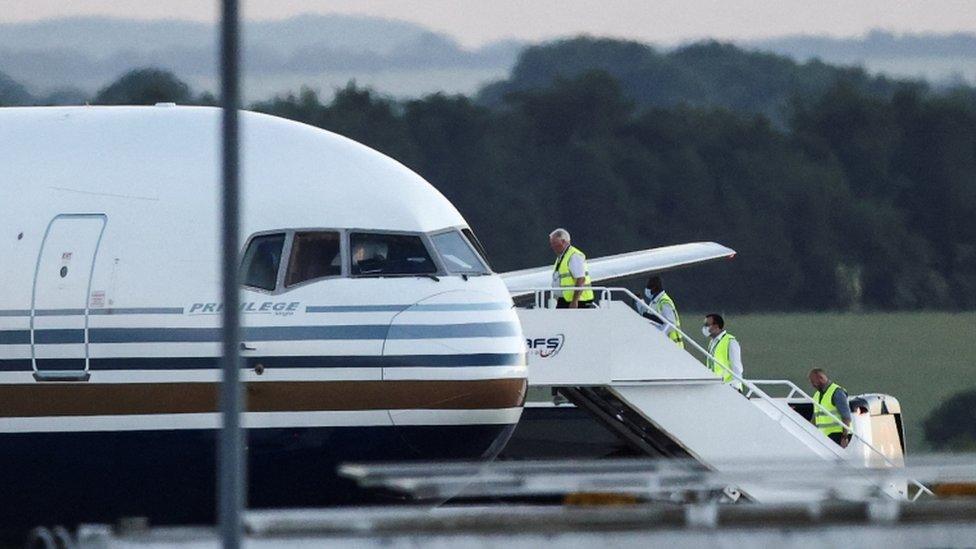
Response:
column 706, row 74
column 145, row 87
column 13, row 93
column 863, row 199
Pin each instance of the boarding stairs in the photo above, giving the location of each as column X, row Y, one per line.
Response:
column 617, row 365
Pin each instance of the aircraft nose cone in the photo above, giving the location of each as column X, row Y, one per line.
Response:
column 461, row 357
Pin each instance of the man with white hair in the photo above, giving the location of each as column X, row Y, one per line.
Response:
column 569, row 271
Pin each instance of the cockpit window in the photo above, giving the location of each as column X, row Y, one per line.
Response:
column 469, row 234
column 261, row 261
column 458, row 255
column 314, row 255
column 389, row 254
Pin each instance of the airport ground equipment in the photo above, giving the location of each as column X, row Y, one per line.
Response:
column 877, row 523
column 630, row 480
column 614, row 363
column 869, row 522
column 636, row 481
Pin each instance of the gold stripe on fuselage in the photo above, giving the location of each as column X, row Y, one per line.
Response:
column 73, row 399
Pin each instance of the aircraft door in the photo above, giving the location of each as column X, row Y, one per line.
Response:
column 59, row 303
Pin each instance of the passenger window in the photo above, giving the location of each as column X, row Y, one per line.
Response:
column 389, row 254
column 313, row 255
column 458, row 255
column 469, row 234
column 261, row 261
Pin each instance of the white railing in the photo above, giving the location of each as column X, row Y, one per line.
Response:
column 752, row 386
column 541, row 301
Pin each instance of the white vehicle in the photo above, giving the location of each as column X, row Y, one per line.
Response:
column 374, row 328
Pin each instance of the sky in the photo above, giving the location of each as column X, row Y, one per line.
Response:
column 476, row 22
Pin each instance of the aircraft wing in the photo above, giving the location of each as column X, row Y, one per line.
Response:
column 614, row 267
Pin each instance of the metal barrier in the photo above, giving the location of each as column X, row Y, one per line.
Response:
column 606, row 295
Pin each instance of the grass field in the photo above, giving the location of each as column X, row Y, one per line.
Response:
column 919, row 358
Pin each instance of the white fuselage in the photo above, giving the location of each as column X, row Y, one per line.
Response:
column 109, row 314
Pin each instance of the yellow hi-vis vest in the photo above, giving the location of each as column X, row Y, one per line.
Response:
column 674, row 334
column 721, row 354
column 823, row 422
column 566, row 277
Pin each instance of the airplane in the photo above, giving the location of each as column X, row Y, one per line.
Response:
column 374, row 328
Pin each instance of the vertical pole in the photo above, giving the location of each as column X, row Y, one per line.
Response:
column 230, row 460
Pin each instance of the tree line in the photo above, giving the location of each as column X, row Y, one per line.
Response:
column 840, row 191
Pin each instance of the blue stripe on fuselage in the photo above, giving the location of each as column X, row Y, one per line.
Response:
column 59, row 336
column 265, row 333
column 15, row 365
column 431, row 307
column 80, row 312
column 306, row 333
column 138, row 311
column 344, row 361
column 14, row 337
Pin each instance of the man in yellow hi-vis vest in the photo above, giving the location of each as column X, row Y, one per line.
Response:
column 569, row 271
column 663, row 307
column 833, row 399
column 725, row 348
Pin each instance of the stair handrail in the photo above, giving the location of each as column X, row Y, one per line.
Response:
column 539, row 294
column 606, row 295
column 795, row 389
column 753, row 389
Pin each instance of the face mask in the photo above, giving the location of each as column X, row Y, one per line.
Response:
column 648, row 293
column 705, row 331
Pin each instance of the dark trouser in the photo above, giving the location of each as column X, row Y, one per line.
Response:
column 836, row 437
column 563, row 304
